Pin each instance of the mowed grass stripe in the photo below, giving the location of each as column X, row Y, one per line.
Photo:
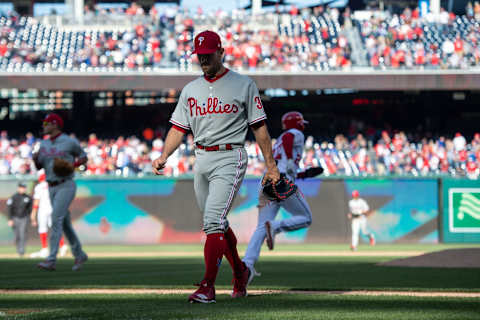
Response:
column 277, row 306
column 265, row 254
column 278, row 273
column 251, row 292
column 280, row 247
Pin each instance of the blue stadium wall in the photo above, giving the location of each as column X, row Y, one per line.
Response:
column 160, row 210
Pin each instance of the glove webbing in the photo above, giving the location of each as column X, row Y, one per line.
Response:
column 283, row 197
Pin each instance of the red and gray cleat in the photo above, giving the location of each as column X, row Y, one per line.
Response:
column 240, row 284
column 270, row 235
column 47, row 265
column 372, row 240
column 204, row 294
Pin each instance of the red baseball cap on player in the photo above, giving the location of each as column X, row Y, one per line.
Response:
column 55, row 119
column 355, row 193
column 207, row 42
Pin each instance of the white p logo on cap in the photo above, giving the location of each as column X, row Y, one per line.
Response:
column 200, row 40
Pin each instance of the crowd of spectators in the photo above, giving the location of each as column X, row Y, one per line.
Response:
column 298, row 39
column 133, row 38
column 410, row 40
column 390, row 154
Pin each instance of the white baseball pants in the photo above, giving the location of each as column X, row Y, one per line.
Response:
column 359, row 224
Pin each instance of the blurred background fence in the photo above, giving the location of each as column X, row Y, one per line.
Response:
column 150, row 210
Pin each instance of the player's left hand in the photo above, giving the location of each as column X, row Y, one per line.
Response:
column 158, row 165
column 10, row 223
column 272, row 175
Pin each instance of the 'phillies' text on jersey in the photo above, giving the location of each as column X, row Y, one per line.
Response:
column 213, row 107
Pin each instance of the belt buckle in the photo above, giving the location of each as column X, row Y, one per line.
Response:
column 222, row 147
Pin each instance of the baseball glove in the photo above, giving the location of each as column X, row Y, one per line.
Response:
column 310, row 173
column 62, row 168
column 280, row 191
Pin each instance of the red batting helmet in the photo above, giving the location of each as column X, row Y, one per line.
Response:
column 293, row 119
column 355, row 194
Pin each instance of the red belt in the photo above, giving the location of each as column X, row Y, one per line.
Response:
column 220, row 147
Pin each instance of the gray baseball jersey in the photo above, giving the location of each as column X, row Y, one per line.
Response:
column 61, row 195
column 63, row 147
column 219, row 111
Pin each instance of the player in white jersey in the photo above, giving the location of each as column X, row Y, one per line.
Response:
column 359, row 210
column 218, row 108
column 62, row 189
column 41, row 216
column 287, row 151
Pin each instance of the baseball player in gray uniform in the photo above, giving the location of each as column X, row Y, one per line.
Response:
column 62, row 189
column 287, row 151
column 218, row 108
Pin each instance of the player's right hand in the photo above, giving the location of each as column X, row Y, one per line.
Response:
column 272, row 174
column 34, row 223
column 158, row 165
column 10, row 223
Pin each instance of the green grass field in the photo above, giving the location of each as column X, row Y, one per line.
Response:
column 287, row 272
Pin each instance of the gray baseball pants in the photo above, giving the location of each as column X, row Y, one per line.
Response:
column 61, row 197
column 218, row 177
column 20, row 228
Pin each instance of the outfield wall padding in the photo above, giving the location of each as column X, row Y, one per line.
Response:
column 151, row 210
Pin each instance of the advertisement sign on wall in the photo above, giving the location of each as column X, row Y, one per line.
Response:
column 461, row 200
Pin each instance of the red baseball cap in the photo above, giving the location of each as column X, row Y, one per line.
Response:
column 207, row 42
column 55, row 119
column 355, row 193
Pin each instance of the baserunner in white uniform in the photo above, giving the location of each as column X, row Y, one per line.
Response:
column 62, row 189
column 358, row 216
column 218, row 108
column 41, row 216
column 287, row 151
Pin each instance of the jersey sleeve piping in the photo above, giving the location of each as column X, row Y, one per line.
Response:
column 179, row 129
column 179, row 125
column 264, row 117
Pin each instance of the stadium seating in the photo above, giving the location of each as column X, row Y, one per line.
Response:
column 312, row 41
column 358, row 156
column 409, row 41
column 295, row 43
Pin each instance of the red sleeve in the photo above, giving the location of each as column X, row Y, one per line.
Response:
column 287, row 142
column 257, row 124
column 179, row 129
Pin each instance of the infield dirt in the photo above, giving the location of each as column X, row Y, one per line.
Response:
column 450, row 258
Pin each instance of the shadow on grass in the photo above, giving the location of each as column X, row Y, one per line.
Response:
column 306, row 274
column 258, row 307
